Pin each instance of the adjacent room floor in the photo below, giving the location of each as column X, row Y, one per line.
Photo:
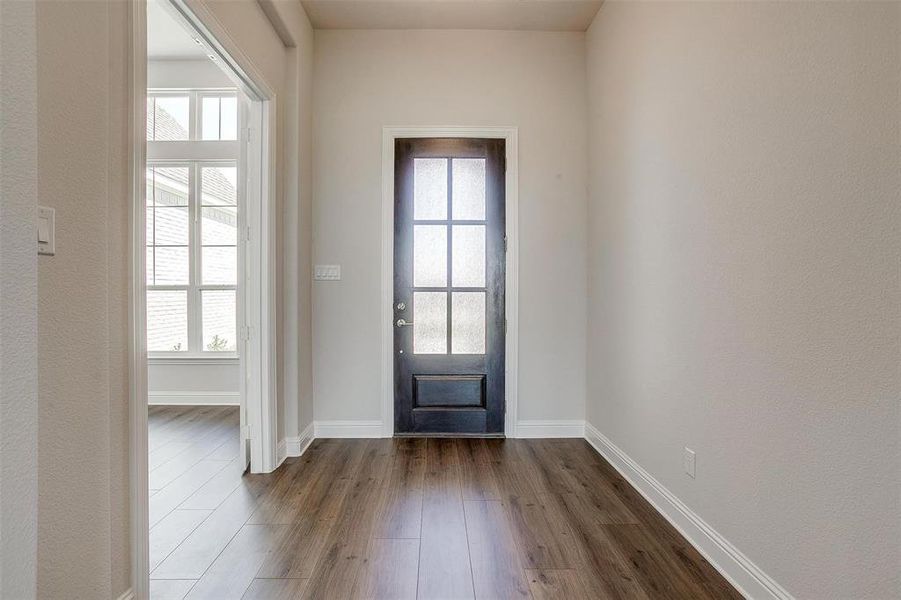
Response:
column 404, row 518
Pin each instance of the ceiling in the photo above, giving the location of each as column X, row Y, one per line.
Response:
column 531, row 15
column 167, row 37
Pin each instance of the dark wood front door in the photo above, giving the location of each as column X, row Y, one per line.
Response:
column 449, row 279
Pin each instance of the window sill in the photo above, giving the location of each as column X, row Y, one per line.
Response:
column 229, row 359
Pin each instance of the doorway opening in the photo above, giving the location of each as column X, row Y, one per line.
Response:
column 203, row 284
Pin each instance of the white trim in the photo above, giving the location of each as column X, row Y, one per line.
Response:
column 193, row 151
column 264, row 277
column 296, row 446
column 348, row 429
column 127, row 595
column 258, row 292
column 551, row 429
column 193, row 361
column 137, row 367
column 194, row 398
column 511, row 136
column 744, row 575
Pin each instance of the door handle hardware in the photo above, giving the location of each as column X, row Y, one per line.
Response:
column 403, row 323
column 401, row 306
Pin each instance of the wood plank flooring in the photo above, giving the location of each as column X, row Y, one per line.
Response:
column 404, row 518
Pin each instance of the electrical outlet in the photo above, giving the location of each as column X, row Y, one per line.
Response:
column 688, row 461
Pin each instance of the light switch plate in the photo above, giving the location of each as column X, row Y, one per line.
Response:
column 327, row 272
column 46, row 231
column 688, row 461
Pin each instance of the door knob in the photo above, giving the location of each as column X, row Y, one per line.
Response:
column 403, row 323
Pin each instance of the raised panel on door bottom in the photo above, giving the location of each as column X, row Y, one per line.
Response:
column 442, row 419
column 449, row 391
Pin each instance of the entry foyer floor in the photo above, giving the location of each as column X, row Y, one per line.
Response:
column 404, row 518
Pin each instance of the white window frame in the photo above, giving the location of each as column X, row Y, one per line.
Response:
column 195, row 102
column 195, row 154
column 197, row 98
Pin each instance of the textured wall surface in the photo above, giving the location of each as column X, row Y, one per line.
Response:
column 82, row 301
column 743, row 273
column 364, row 80
column 18, row 301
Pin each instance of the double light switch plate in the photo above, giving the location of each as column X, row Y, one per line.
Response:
column 327, row 272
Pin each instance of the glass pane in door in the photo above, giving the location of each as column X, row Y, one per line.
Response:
column 429, row 255
column 468, row 263
column 429, row 189
column 469, row 189
column 429, row 323
column 468, row 317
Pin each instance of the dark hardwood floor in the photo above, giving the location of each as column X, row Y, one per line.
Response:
column 404, row 518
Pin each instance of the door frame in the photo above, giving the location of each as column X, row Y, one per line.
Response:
column 259, row 359
column 511, row 182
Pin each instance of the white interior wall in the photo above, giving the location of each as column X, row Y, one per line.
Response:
column 18, row 301
column 183, row 74
column 366, row 79
column 82, row 351
column 193, row 382
column 743, row 274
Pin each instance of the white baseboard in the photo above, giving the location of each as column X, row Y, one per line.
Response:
column 127, row 595
column 373, row 429
column 550, row 429
column 194, row 398
column 737, row 568
column 281, row 452
column 348, row 429
column 296, row 446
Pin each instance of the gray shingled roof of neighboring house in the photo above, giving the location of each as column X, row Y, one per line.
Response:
column 163, row 126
